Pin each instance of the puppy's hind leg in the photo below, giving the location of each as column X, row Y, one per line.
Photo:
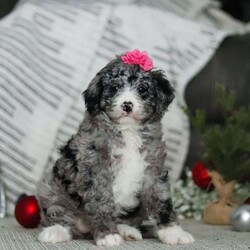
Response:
column 55, row 233
column 58, row 224
column 66, row 229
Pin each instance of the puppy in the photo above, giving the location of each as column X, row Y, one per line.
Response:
column 111, row 174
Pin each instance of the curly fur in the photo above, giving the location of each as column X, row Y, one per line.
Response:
column 111, row 172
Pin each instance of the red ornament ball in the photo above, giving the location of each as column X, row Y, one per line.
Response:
column 247, row 201
column 201, row 177
column 27, row 212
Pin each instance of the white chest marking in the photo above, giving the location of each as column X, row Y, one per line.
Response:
column 130, row 171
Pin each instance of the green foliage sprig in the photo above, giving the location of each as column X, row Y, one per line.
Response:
column 227, row 145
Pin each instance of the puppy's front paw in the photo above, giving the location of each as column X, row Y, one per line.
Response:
column 110, row 240
column 53, row 234
column 175, row 235
column 128, row 232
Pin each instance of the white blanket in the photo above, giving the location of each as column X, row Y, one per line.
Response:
column 50, row 50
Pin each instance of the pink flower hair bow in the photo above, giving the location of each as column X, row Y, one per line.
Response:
column 140, row 58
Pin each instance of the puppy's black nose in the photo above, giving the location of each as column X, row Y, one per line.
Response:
column 127, row 106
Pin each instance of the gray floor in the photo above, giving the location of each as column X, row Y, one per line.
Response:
column 13, row 236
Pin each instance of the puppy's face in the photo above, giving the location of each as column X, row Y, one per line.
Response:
column 126, row 92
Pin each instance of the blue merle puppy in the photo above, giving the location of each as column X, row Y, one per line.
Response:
column 111, row 174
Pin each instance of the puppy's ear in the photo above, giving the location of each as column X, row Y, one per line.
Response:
column 164, row 91
column 92, row 95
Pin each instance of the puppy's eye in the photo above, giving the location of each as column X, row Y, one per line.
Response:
column 142, row 89
column 113, row 89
